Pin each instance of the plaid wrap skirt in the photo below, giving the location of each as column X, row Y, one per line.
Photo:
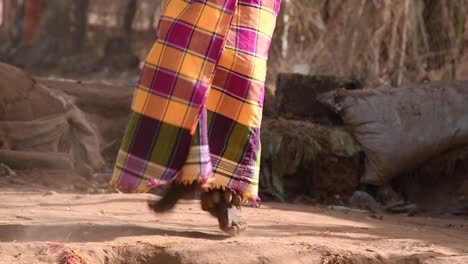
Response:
column 197, row 108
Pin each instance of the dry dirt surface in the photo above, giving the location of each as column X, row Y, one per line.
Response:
column 50, row 227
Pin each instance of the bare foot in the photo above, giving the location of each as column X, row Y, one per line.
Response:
column 223, row 205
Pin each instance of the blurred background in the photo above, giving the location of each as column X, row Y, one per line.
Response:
column 365, row 125
column 69, row 107
column 377, row 42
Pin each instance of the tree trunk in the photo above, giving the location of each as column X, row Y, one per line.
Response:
column 13, row 13
column 62, row 31
column 129, row 17
column 54, row 35
column 79, row 24
column 440, row 42
column 7, row 15
column 11, row 28
column 34, row 11
column 118, row 52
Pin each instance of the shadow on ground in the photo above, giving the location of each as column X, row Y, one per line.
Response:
column 89, row 233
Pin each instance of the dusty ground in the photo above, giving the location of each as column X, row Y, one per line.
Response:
column 70, row 227
column 48, row 227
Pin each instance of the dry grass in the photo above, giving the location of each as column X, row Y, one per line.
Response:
column 376, row 41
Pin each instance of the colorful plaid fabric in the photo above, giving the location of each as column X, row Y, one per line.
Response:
column 197, row 110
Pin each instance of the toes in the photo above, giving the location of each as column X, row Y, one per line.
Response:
column 235, row 229
column 241, row 226
column 228, row 196
column 231, row 231
column 230, row 222
column 222, row 205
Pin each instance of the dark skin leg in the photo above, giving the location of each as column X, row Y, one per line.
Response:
column 220, row 204
column 223, row 205
column 174, row 193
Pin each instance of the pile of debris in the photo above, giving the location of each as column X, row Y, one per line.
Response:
column 43, row 129
column 330, row 139
column 324, row 139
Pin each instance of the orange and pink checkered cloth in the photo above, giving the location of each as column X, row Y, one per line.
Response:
column 197, row 109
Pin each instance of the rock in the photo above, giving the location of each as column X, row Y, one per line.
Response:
column 296, row 95
column 42, row 128
column 6, row 171
column 301, row 158
column 364, row 200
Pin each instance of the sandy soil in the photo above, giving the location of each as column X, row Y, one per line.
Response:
column 41, row 226
column 48, row 227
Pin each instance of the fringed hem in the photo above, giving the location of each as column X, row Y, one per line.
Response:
column 208, row 184
column 154, row 183
column 247, row 197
